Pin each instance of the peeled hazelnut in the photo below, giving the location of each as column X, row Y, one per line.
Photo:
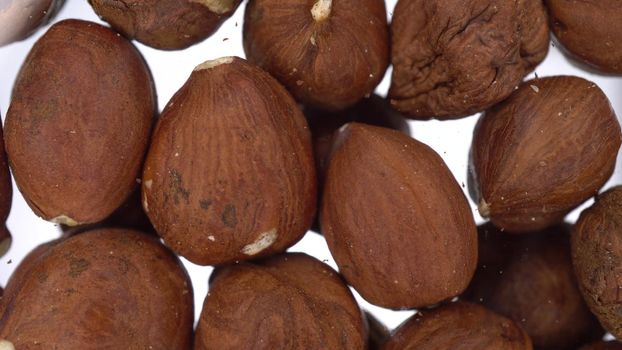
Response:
column 542, row 152
column 529, row 278
column 230, row 174
column 20, row 18
column 79, row 122
column 603, row 345
column 459, row 326
column 291, row 301
column 589, row 31
column 328, row 53
column 395, row 219
column 165, row 24
column 597, row 258
column 453, row 58
column 112, row 289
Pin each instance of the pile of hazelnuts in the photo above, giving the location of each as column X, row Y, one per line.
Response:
column 250, row 154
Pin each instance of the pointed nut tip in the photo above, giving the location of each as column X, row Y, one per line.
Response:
column 214, row 63
column 64, row 220
column 321, row 10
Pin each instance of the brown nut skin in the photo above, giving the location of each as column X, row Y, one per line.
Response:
column 590, row 31
column 82, row 109
column 530, row 279
column 106, row 289
column 542, row 152
column 459, row 326
column 21, row 18
column 395, row 219
column 597, row 254
column 453, row 58
column 290, row 301
column 603, row 345
column 165, row 24
column 328, row 53
column 244, row 186
column 6, row 198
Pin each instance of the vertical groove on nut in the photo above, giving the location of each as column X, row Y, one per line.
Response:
column 321, row 10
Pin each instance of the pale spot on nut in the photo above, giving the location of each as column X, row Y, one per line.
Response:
column 64, row 220
column 217, row 6
column 535, row 88
column 213, row 63
column 211, row 238
column 145, row 204
column 264, row 241
column 148, row 184
column 6, row 345
column 321, row 10
column 484, row 208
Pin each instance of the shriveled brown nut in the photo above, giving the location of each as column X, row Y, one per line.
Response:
column 20, row 18
column 542, row 152
column 82, row 110
column 230, row 174
column 165, row 24
column 459, row 326
column 112, row 289
column 589, row 31
column 530, row 279
column 597, row 258
column 396, row 220
column 453, row 58
column 327, row 53
column 290, row 301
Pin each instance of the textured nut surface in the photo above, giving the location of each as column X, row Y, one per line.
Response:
column 106, row 289
column 597, row 258
column 82, row 109
column 590, row 31
column 165, row 24
column 20, row 18
column 530, row 279
column 453, row 58
column 291, row 301
column 542, row 152
column 395, row 219
column 329, row 54
column 230, row 174
column 459, row 326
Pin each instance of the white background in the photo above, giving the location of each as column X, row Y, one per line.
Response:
column 170, row 69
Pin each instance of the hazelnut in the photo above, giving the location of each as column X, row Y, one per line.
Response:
column 290, row 301
column 597, row 257
column 229, row 175
column 165, row 24
column 114, row 289
column 328, row 53
column 459, row 326
column 21, row 18
column 453, row 58
column 590, row 31
column 603, row 345
column 529, row 278
column 82, row 109
column 542, row 152
column 395, row 219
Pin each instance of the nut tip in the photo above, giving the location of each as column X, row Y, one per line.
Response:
column 484, row 208
column 64, row 220
column 321, row 10
column 219, row 7
column 214, row 63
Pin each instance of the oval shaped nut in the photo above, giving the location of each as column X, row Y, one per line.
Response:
column 327, row 53
column 459, row 326
column 165, row 24
column 597, row 257
column 542, row 152
column 105, row 289
column 230, row 173
column 79, row 121
column 453, row 58
column 290, row 301
column 395, row 219
column 21, row 18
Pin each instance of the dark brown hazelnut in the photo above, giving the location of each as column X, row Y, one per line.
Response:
column 539, row 154
column 82, row 110
column 290, row 301
column 111, row 289
column 229, row 175
column 589, row 31
column 597, row 258
column 530, row 279
column 453, row 58
column 395, row 219
column 459, row 326
column 327, row 53
column 165, row 24
column 21, row 18
column 603, row 345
